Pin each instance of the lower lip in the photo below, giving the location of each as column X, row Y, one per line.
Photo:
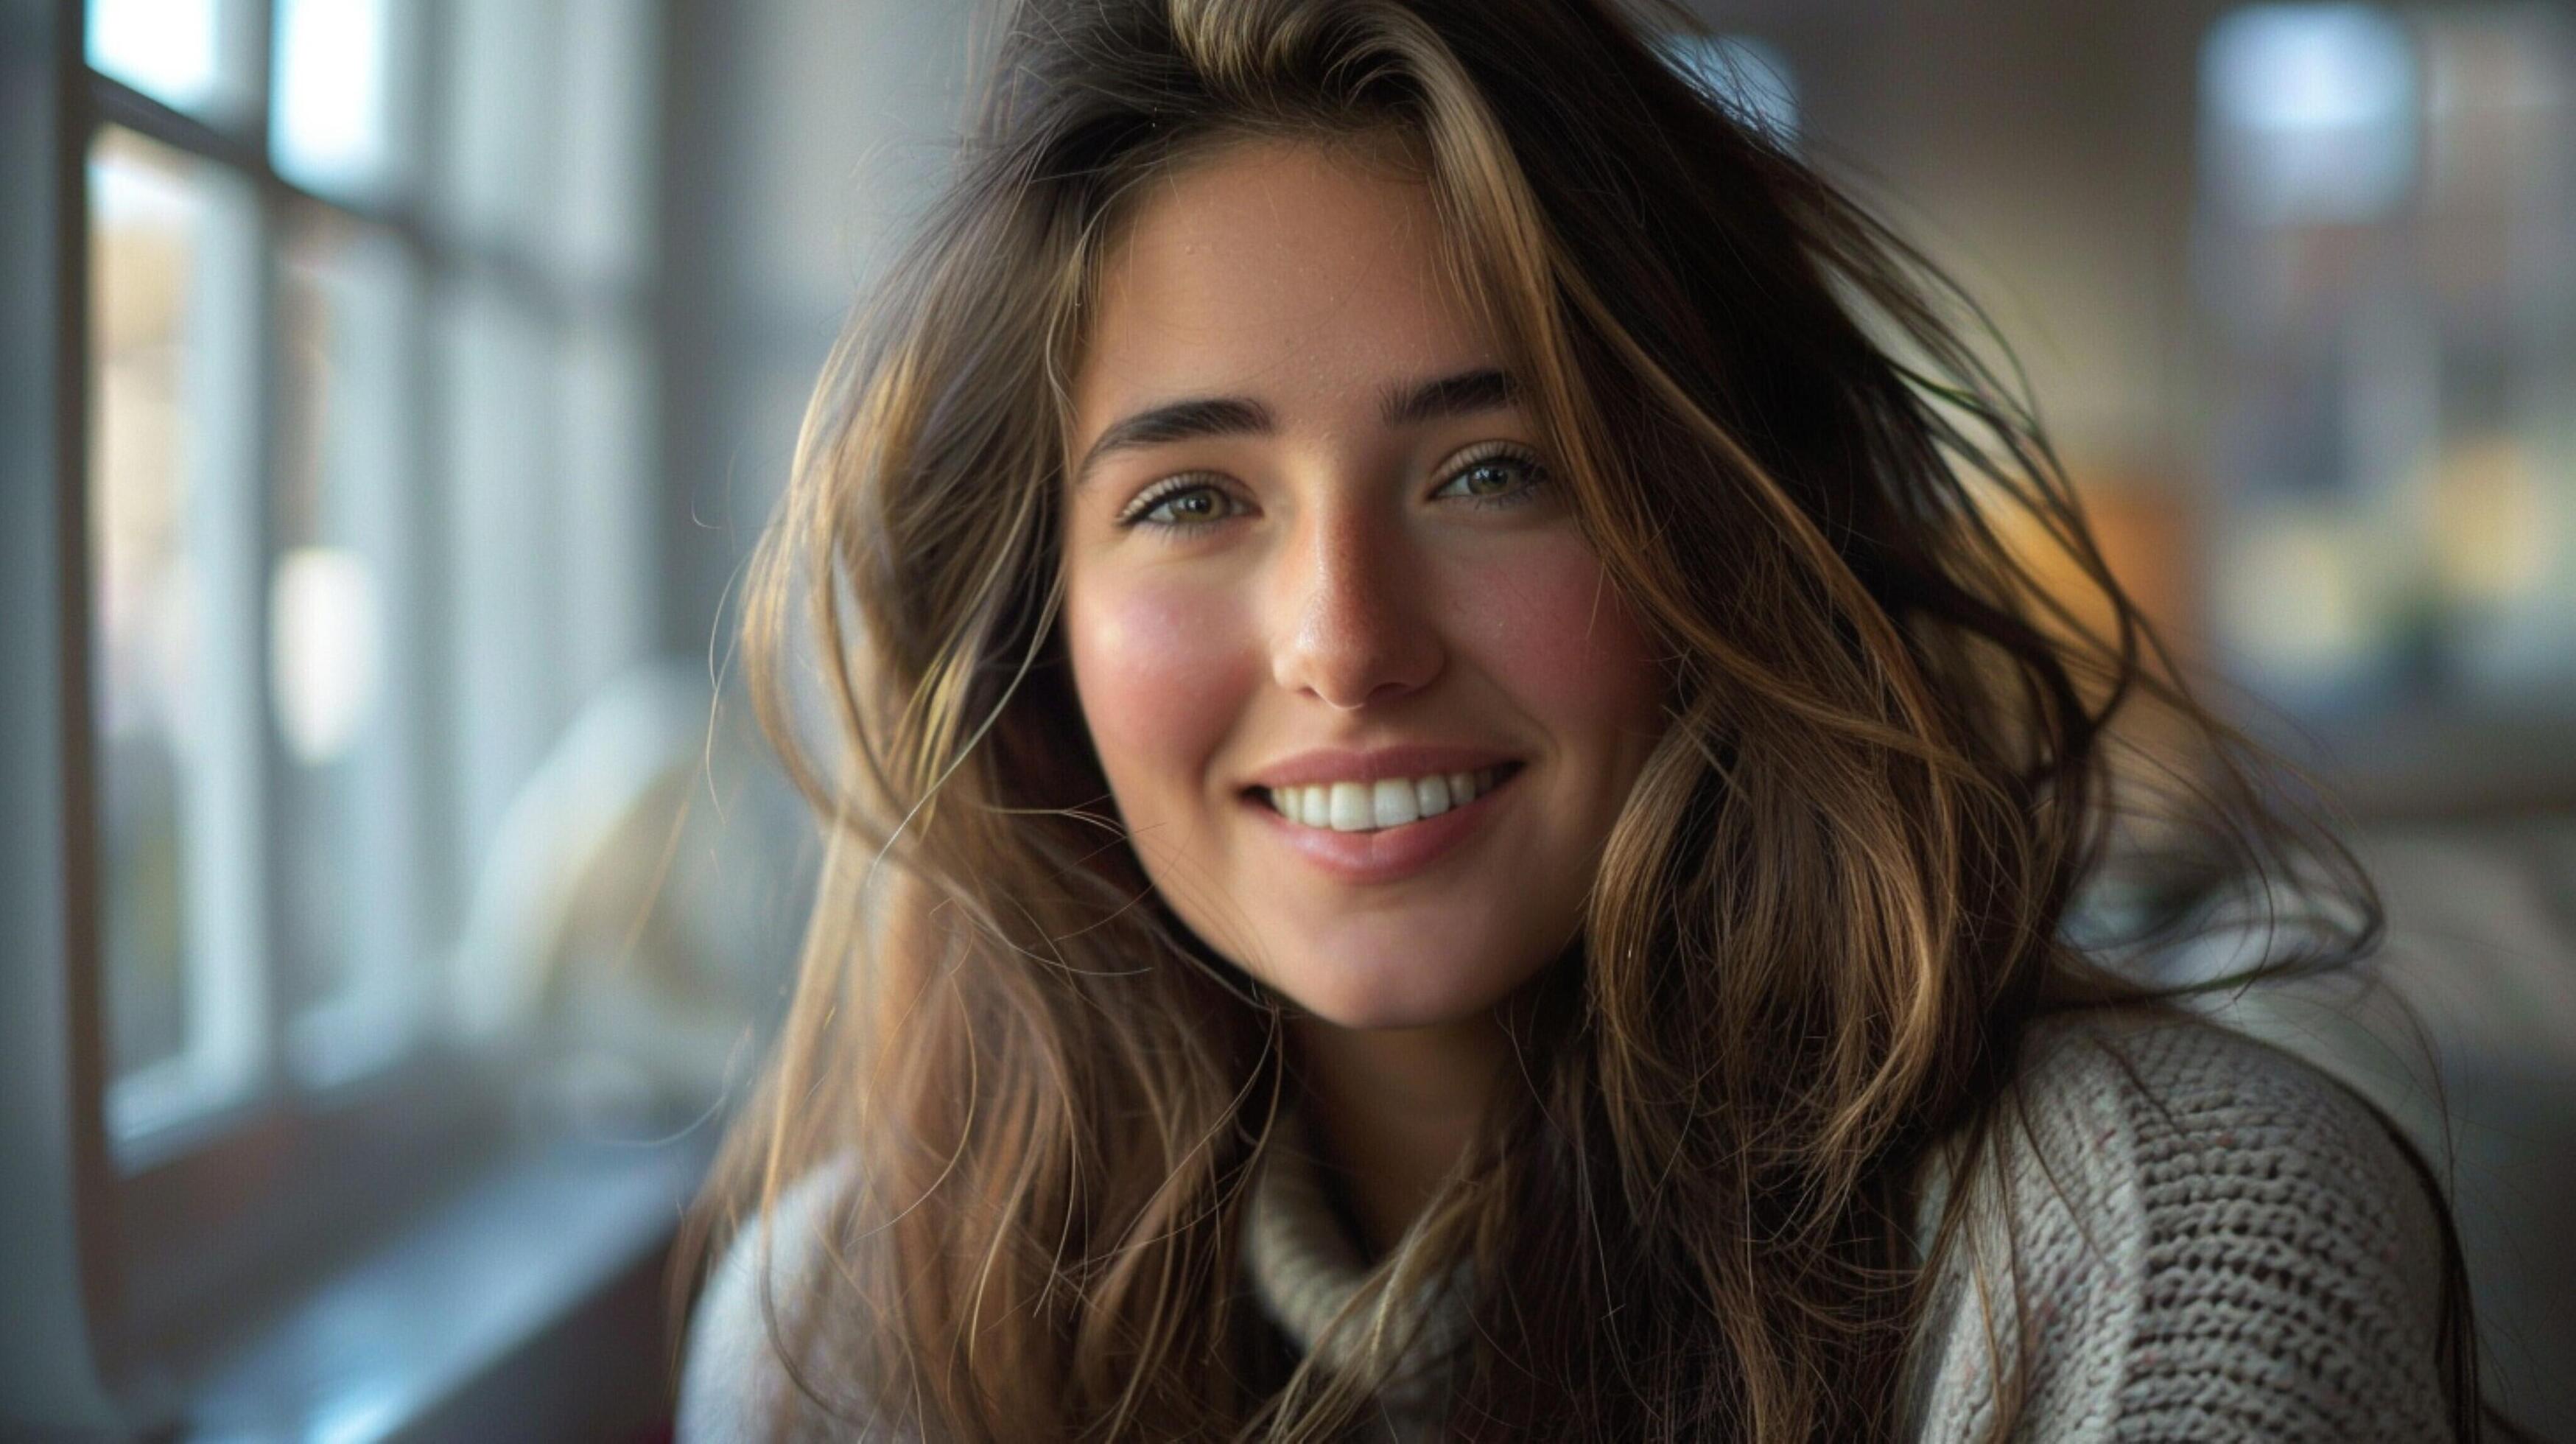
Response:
column 1387, row 854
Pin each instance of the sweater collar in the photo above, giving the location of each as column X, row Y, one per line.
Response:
column 1306, row 1267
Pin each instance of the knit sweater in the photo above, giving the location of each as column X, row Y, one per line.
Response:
column 2214, row 1242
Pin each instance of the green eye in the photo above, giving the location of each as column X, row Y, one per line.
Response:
column 1503, row 475
column 1178, row 505
column 1199, row 503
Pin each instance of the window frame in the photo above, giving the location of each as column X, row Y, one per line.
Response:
column 60, row 1263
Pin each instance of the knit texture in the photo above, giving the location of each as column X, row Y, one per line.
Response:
column 1306, row 1269
column 2213, row 1242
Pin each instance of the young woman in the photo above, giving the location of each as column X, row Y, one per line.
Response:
column 1452, row 817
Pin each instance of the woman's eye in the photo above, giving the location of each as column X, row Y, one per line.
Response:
column 1180, row 506
column 1504, row 477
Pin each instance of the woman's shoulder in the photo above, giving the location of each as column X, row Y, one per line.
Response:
column 769, row 1292
column 2200, row 1100
column 2207, row 1238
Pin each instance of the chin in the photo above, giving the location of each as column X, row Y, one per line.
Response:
column 1390, row 994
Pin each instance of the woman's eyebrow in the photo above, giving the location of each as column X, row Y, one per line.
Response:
column 1484, row 389
column 1179, row 421
column 1467, row 392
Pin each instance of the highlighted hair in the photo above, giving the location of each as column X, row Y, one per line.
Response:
column 1835, row 899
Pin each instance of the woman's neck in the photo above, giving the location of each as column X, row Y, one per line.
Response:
column 1393, row 1108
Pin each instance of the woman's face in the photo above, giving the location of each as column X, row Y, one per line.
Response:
column 1316, row 565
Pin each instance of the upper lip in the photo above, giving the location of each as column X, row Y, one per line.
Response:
column 1343, row 764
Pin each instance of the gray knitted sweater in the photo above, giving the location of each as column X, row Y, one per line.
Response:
column 2215, row 1243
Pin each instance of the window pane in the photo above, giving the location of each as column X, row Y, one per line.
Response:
column 340, row 589
column 2500, row 212
column 604, row 229
column 174, row 274
column 501, row 160
column 191, row 55
column 504, row 530
column 609, row 482
column 547, row 152
column 343, row 95
column 2311, row 112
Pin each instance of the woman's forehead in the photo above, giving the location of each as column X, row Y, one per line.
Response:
column 1286, row 270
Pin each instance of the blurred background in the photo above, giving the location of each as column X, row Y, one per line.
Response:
column 436, row 363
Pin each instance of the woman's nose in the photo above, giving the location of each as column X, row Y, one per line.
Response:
column 1356, row 629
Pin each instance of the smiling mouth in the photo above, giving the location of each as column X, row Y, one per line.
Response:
column 1376, row 806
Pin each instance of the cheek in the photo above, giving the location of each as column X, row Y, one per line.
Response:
column 1161, row 669
column 1547, row 624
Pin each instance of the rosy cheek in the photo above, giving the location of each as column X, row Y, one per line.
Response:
column 1162, row 668
column 1545, row 621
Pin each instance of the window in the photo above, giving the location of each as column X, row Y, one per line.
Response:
column 2382, row 249
column 354, row 563
column 347, row 311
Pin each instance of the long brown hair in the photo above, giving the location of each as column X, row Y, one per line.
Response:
column 1836, row 898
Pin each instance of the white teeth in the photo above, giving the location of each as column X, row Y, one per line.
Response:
column 1431, row 796
column 1390, row 802
column 1350, row 809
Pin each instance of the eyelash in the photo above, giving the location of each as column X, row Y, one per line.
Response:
column 1138, row 511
